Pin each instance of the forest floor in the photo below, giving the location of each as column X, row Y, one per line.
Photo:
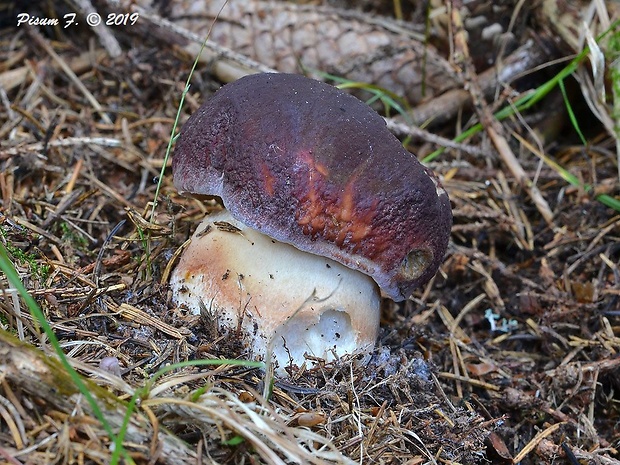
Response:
column 509, row 355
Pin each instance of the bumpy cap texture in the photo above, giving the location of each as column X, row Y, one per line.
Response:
column 310, row 165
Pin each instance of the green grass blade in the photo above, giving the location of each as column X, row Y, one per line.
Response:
column 527, row 101
column 532, row 98
column 571, row 113
column 9, row 270
column 574, row 181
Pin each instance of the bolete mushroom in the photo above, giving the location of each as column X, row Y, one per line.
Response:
column 322, row 204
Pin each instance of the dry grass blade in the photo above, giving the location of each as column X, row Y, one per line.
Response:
column 34, row 374
column 106, row 37
column 142, row 318
column 70, row 74
column 492, row 126
column 509, row 353
column 535, row 441
column 266, row 431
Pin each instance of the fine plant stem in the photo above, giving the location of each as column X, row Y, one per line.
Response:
column 388, row 99
column 522, row 104
column 11, row 273
column 532, row 98
column 614, row 73
column 571, row 113
column 144, row 391
column 178, row 116
column 14, row 280
column 573, row 180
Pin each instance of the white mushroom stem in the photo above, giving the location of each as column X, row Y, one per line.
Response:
column 281, row 299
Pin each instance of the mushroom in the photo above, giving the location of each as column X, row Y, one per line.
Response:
column 323, row 206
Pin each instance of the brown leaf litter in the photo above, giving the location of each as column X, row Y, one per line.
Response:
column 510, row 354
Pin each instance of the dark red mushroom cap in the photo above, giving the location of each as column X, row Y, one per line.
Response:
column 310, row 165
